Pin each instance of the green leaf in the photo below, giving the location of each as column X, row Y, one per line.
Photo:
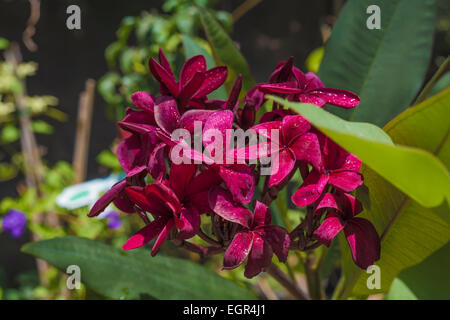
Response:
column 135, row 274
column 442, row 84
column 416, row 172
column 4, row 44
column 192, row 48
column 409, row 231
column 224, row 49
column 384, row 67
column 40, row 126
column 400, row 291
column 427, row 279
column 9, row 133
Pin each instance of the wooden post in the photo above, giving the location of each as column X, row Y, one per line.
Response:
column 81, row 150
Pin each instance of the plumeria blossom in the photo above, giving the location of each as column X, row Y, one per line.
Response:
column 308, row 88
column 341, row 172
column 174, row 203
column 239, row 178
column 216, row 177
column 257, row 240
column 361, row 235
column 294, row 143
column 117, row 193
column 195, row 81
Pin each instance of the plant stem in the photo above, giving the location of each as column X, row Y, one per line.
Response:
column 243, row 9
column 339, row 289
column 313, row 278
column 287, row 282
column 201, row 250
column 208, row 239
column 426, row 91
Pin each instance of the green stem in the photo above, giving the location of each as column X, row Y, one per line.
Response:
column 337, row 294
column 426, row 91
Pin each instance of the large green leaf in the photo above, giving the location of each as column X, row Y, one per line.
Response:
column 192, row 48
column 132, row 275
column 427, row 280
column 384, row 67
column 416, row 172
column 224, row 49
column 409, row 232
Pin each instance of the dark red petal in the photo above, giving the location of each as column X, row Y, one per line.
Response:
column 311, row 189
column 240, row 181
column 270, row 130
column 232, row 102
column 146, row 234
column 282, row 165
column 217, row 123
column 162, row 237
column 307, row 148
column 166, row 114
column 283, row 88
column 200, row 201
column 156, row 163
column 163, row 61
column 364, row 242
column 313, row 81
column 190, row 88
column 123, row 203
column 279, row 240
column 311, row 99
column 204, row 181
column 214, row 78
column 139, row 128
column 164, row 76
column 337, row 97
column 188, row 119
column 329, row 229
column 143, row 100
column 127, row 150
column 188, row 222
column 345, row 180
column 283, row 71
column 261, row 216
column 192, row 66
column 222, row 203
column 351, row 163
column 107, row 198
column 260, row 257
column 345, row 203
column 151, row 204
column 293, row 127
column 238, row 250
column 164, row 193
column 180, row 178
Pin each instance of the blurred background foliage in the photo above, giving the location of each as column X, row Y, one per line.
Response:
column 141, row 37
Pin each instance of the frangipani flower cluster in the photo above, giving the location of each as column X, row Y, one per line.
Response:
column 172, row 196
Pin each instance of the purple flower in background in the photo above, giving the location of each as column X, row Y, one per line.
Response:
column 113, row 220
column 14, row 223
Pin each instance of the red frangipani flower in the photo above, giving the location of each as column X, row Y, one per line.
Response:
column 195, row 81
column 294, row 143
column 160, row 137
column 341, row 172
column 308, row 88
column 177, row 202
column 361, row 235
column 117, row 193
column 257, row 240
